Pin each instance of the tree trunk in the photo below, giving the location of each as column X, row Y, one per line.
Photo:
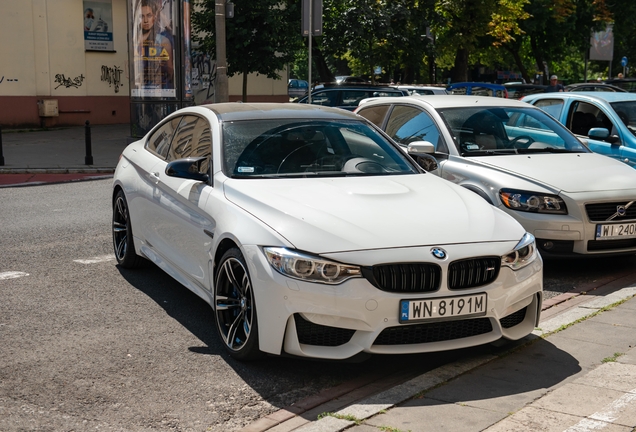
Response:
column 318, row 60
column 515, row 54
column 539, row 59
column 460, row 71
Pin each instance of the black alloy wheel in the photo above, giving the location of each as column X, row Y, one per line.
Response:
column 122, row 234
column 235, row 308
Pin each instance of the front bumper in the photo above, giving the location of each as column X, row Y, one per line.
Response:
column 574, row 234
column 338, row 322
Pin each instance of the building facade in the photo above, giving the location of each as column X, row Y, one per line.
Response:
column 67, row 61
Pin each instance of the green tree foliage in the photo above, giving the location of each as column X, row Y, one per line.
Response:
column 261, row 38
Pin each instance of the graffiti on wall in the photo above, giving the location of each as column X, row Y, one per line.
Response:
column 203, row 78
column 69, row 82
column 112, row 75
column 8, row 79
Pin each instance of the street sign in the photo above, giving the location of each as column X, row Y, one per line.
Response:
column 624, row 61
column 315, row 6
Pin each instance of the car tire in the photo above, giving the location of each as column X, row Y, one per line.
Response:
column 235, row 307
column 123, row 242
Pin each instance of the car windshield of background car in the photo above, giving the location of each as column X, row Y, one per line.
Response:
column 487, row 131
column 309, row 148
column 627, row 113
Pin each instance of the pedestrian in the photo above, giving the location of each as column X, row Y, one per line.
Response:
column 554, row 85
column 620, row 75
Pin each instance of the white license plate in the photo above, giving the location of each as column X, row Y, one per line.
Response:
column 442, row 308
column 615, row 231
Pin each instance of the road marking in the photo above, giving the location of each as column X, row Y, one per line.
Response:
column 602, row 419
column 12, row 275
column 95, row 260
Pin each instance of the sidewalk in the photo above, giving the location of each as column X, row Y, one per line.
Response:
column 55, row 155
column 576, row 373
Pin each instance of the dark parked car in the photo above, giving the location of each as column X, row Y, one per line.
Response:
column 585, row 87
column 628, row 84
column 348, row 96
column 517, row 91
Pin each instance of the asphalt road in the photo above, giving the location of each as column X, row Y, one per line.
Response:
column 87, row 345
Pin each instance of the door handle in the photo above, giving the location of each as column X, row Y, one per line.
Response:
column 154, row 176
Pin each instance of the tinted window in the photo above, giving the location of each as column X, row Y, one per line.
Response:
column 326, row 98
column 301, row 148
column 375, row 114
column 409, row 124
column 159, row 141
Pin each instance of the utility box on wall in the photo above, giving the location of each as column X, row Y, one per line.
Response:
column 48, row 108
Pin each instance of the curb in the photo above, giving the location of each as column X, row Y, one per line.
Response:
column 376, row 404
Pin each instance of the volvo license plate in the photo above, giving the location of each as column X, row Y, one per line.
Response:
column 442, row 308
column 615, row 231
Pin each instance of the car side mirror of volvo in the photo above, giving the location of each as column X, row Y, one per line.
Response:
column 422, row 152
column 187, row 168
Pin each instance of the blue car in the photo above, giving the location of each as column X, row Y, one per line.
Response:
column 478, row 89
column 606, row 120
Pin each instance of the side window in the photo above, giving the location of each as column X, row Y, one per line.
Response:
column 408, row 124
column 586, row 116
column 375, row 114
column 192, row 139
column 551, row 106
column 326, row 98
column 352, row 98
column 159, row 141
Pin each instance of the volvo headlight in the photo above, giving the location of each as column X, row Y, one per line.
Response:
column 523, row 254
column 532, row 202
column 309, row 268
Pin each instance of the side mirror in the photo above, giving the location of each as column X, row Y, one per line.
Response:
column 188, row 168
column 422, row 152
column 418, row 148
column 598, row 133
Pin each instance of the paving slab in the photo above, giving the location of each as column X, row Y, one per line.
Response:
column 536, row 419
column 425, row 415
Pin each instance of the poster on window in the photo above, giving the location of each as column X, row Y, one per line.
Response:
column 153, row 48
column 98, row 25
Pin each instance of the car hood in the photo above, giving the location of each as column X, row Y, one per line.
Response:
column 570, row 172
column 359, row 213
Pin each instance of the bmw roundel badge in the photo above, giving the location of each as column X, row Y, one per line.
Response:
column 438, row 253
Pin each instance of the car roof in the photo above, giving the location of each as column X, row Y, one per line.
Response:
column 600, row 85
column 231, row 111
column 450, row 101
column 477, row 84
column 592, row 95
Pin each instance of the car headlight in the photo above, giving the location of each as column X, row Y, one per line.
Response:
column 523, row 254
column 309, row 268
column 532, row 202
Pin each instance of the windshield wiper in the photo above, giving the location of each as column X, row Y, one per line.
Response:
column 490, row 152
column 548, row 149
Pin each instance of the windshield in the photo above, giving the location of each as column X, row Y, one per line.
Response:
column 626, row 111
column 486, row 131
column 308, row 148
